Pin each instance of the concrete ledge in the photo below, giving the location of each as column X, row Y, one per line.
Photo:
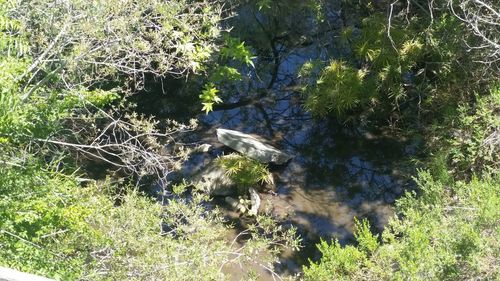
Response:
column 7, row 274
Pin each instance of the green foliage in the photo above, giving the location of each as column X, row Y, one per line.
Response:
column 12, row 42
column 20, row 122
column 447, row 229
column 474, row 147
column 53, row 227
column 11, row 118
column 209, row 97
column 285, row 9
column 232, row 54
column 99, row 97
column 438, row 165
column 336, row 263
column 12, row 114
column 50, row 224
column 264, row 4
column 56, row 59
column 339, row 88
column 244, row 171
column 416, row 60
column 180, row 188
column 222, row 73
column 317, row 8
column 42, row 226
column 137, row 249
column 236, row 50
column 103, row 41
column 367, row 242
column 445, row 233
column 384, row 63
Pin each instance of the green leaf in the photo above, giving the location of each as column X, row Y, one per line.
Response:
column 207, row 107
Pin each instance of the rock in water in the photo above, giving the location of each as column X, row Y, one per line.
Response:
column 251, row 147
column 255, row 199
column 203, row 148
column 214, row 180
column 235, row 204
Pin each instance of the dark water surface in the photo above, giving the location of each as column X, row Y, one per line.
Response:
column 337, row 172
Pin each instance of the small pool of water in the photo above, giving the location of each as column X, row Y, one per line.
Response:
column 337, row 172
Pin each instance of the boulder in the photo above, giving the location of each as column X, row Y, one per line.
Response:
column 235, row 204
column 213, row 180
column 252, row 147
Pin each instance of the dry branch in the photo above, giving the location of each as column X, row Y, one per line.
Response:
column 483, row 19
column 131, row 144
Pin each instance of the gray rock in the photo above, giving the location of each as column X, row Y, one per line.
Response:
column 255, row 199
column 251, row 147
column 235, row 204
column 203, row 148
column 213, row 180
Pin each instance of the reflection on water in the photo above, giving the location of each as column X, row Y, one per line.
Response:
column 337, row 173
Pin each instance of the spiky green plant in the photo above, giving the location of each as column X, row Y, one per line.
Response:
column 245, row 171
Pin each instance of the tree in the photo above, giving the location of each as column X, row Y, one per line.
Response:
column 90, row 43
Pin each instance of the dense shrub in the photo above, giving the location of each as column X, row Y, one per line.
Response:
column 475, row 140
column 52, row 112
column 410, row 68
column 444, row 233
column 54, row 227
column 87, row 43
column 43, row 227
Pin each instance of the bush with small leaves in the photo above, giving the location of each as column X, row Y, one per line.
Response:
column 447, row 232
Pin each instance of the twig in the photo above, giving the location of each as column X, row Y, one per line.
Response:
column 389, row 26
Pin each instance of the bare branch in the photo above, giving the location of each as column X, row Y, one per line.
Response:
column 131, row 144
column 483, row 19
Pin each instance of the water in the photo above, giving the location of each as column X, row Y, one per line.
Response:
column 337, row 173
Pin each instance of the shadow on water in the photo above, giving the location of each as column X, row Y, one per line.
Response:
column 337, row 172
